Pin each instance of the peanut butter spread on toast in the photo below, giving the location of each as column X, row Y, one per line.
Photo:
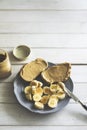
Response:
column 57, row 73
column 31, row 70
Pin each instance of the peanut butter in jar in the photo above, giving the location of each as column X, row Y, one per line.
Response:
column 5, row 65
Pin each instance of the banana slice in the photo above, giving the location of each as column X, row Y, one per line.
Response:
column 52, row 103
column 61, row 95
column 33, row 87
column 34, row 83
column 29, row 96
column 36, row 97
column 53, row 88
column 38, row 90
column 44, row 99
column 40, row 84
column 39, row 105
column 34, row 91
column 46, row 90
column 27, row 89
column 54, row 96
column 59, row 90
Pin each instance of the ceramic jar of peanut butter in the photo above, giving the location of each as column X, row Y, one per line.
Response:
column 5, row 65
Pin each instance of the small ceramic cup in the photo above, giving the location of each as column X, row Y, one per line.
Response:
column 21, row 52
column 5, row 65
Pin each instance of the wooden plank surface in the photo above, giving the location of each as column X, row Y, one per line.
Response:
column 42, row 127
column 46, row 4
column 43, row 27
column 43, row 16
column 54, row 55
column 15, row 114
column 44, row 40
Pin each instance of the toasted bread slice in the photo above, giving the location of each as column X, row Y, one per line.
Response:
column 31, row 70
column 57, row 73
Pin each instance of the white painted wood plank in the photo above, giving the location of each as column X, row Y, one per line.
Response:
column 7, row 94
column 15, row 114
column 44, row 40
column 43, row 127
column 55, row 55
column 80, row 91
column 43, row 16
column 46, row 4
column 43, row 27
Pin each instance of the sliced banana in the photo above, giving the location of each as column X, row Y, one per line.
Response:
column 36, row 97
column 27, row 89
column 39, row 105
column 53, row 88
column 44, row 99
column 46, row 90
column 52, row 103
column 34, row 83
column 38, row 90
column 54, row 96
column 29, row 96
column 40, row 84
column 41, row 96
column 60, row 90
column 34, row 91
column 33, row 87
column 61, row 95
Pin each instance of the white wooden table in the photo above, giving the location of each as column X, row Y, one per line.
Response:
column 56, row 30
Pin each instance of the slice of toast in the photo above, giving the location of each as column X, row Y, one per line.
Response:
column 57, row 73
column 31, row 70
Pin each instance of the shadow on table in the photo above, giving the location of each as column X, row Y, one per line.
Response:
column 79, row 115
column 18, row 115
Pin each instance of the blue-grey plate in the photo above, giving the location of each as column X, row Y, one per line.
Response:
column 20, row 84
